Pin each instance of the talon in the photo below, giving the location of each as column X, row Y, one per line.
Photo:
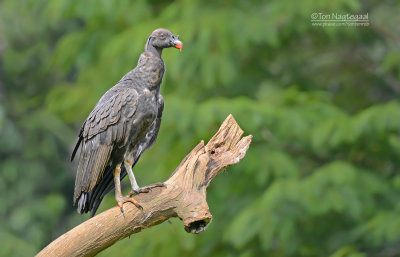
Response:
column 144, row 189
column 159, row 184
column 119, row 215
column 136, row 203
column 125, row 199
column 133, row 192
column 121, row 206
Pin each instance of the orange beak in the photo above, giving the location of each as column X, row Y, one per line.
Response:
column 178, row 44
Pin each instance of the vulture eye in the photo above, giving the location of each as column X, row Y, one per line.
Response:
column 162, row 36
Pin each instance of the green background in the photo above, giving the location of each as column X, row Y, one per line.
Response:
column 322, row 176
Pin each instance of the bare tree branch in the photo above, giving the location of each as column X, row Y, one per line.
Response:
column 183, row 197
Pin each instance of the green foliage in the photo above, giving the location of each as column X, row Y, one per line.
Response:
column 321, row 177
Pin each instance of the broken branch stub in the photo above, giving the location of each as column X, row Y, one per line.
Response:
column 197, row 170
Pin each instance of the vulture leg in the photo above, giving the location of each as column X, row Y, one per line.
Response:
column 118, row 194
column 135, row 187
column 128, row 166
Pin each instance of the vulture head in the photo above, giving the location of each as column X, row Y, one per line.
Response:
column 162, row 38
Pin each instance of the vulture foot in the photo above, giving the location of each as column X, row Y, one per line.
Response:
column 146, row 189
column 126, row 199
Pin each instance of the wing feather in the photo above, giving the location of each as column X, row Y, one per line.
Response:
column 106, row 184
column 102, row 131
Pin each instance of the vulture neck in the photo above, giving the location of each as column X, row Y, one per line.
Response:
column 154, row 50
column 149, row 70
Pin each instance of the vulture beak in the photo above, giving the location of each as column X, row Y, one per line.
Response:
column 178, row 44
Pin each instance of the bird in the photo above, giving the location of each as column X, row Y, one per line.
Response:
column 124, row 123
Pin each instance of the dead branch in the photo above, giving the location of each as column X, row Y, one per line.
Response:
column 183, row 197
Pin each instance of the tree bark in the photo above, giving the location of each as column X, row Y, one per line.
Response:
column 184, row 196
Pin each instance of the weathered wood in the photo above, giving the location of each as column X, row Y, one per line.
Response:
column 183, row 197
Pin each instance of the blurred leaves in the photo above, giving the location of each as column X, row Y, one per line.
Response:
column 322, row 175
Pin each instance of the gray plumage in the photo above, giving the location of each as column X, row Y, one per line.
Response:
column 123, row 124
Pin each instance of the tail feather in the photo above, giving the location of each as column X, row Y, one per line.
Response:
column 81, row 203
column 91, row 201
